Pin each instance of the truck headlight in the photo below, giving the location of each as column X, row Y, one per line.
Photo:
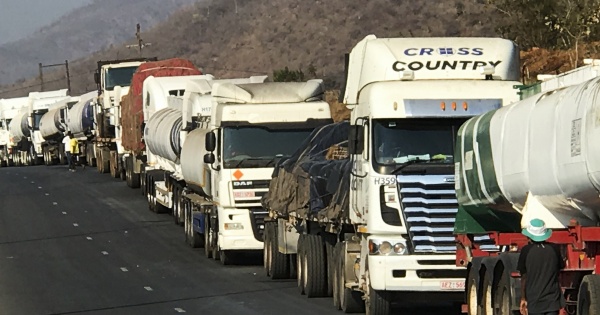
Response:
column 233, row 226
column 386, row 248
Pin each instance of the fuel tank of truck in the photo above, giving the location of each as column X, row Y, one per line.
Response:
column 52, row 124
column 81, row 116
column 195, row 172
column 19, row 125
column 539, row 157
column 162, row 133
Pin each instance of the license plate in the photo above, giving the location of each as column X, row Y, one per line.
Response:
column 452, row 285
column 243, row 194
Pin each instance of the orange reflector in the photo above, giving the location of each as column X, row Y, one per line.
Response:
column 443, row 105
column 453, row 105
column 465, row 106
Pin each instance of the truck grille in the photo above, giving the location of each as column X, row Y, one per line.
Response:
column 249, row 193
column 429, row 206
column 257, row 217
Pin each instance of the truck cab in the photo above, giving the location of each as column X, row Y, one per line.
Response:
column 409, row 96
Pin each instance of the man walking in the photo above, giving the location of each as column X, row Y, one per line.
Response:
column 539, row 265
column 67, row 144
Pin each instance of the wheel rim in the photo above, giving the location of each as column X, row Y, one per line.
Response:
column 299, row 269
column 472, row 302
column 488, row 299
column 305, row 270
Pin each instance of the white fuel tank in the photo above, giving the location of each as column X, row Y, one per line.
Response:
column 52, row 124
column 195, row 172
column 81, row 116
column 162, row 133
column 540, row 156
column 19, row 126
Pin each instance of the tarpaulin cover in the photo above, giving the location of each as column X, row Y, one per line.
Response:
column 313, row 182
column 132, row 114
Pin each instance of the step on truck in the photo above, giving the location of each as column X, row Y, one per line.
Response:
column 25, row 130
column 9, row 108
column 233, row 133
column 537, row 158
column 367, row 216
column 112, row 78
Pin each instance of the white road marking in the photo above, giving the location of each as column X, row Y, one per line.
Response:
column 148, row 289
column 179, row 310
column 124, row 269
column 75, row 224
column 54, row 203
column 39, row 187
column 104, row 253
column 89, row 238
column 47, row 194
column 64, row 212
column 32, row 182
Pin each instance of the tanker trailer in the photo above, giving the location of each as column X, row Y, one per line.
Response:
column 8, row 109
column 80, row 121
column 537, row 158
column 19, row 132
column 53, row 126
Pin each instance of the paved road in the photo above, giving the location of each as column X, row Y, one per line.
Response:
column 84, row 243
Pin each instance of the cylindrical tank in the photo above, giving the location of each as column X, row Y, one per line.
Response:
column 19, row 126
column 539, row 157
column 193, row 169
column 162, row 133
column 81, row 118
column 51, row 125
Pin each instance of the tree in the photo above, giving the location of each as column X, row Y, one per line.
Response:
column 287, row 75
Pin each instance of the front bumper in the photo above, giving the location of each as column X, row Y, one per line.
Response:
column 239, row 239
column 422, row 273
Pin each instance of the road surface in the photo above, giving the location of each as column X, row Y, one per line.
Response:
column 85, row 243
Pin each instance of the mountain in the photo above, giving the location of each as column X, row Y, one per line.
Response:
column 81, row 32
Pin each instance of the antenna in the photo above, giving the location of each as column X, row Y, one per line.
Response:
column 140, row 45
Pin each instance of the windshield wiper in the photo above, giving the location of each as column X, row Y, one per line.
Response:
column 415, row 161
column 278, row 156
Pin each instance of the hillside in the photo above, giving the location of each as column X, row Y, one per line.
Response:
column 82, row 32
column 242, row 38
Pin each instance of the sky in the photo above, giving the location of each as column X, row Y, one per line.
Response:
column 19, row 18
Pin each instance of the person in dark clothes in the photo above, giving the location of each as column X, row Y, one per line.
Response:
column 539, row 265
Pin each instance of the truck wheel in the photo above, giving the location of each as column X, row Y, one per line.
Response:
column 588, row 301
column 143, row 180
column 280, row 263
column 503, row 297
column 473, row 293
column 487, row 297
column 337, row 249
column 150, row 194
column 300, row 263
column 192, row 238
column 177, row 208
column 316, row 267
column 226, row 257
column 378, row 302
column 350, row 301
column 267, row 248
column 216, row 250
column 293, row 261
column 330, row 267
column 208, row 246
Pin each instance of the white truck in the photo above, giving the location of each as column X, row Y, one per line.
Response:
column 379, row 228
column 24, row 128
column 112, row 78
column 8, row 110
column 231, row 135
column 53, row 127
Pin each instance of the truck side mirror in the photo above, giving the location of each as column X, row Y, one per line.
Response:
column 356, row 139
column 209, row 158
column 210, row 142
column 97, row 77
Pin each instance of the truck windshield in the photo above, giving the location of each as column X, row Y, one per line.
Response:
column 118, row 76
column 254, row 147
column 398, row 141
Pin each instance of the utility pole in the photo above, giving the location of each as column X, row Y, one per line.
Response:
column 68, row 76
column 140, row 45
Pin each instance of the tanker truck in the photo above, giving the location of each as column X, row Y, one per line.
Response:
column 81, row 123
column 148, row 90
column 377, row 228
column 232, row 134
column 53, row 127
column 8, row 110
column 24, row 128
column 537, row 158
column 112, row 78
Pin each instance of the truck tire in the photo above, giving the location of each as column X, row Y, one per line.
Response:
column 143, row 180
column 337, row 249
column 177, row 208
column 293, row 266
column 149, row 193
column 379, row 302
column 350, row 301
column 588, row 301
column 226, row 257
column 503, row 297
column 300, row 263
column 472, row 292
column 330, row 267
column 267, row 248
column 191, row 237
column 487, row 294
column 280, row 263
column 208, row 246
column 315, row 284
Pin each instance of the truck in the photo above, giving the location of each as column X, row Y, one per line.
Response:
column 81, row 123
column 8, row 110
column 536, row 159
column 24, row 128
column 368, row 218
column 148, row 90
column 112, row 78
column 53, row 128
column 232, row 134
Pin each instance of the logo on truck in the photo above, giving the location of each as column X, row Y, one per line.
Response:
column 444, row 51
column 442, row 65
